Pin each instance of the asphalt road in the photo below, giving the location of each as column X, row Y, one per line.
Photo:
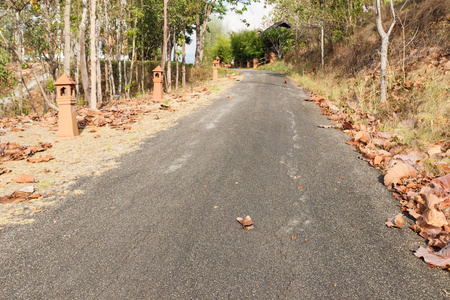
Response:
column 163, row 225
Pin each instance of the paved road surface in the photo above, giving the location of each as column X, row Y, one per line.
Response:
column 163, row 225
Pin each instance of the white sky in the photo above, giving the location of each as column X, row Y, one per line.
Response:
column 232, row 21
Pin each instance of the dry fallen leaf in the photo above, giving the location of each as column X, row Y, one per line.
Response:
column 4, row 171
column 397, row 172
column 433, row 150
column 439, row 259
column 431, row 215
column 362, row 136
column 246, row 222
column 396, row 221
column 40, row 159
column 443, row 182
column 25, row 179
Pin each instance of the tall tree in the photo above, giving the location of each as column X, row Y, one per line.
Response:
column 83, row 62
column 67, row 38
column 165, row 36
column 384, row 46
column 93, row 37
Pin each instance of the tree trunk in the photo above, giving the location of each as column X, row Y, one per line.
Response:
column 322, row 44
column 175, row 54
column 207, row 12
column 165, row 37
column 296, row 43
column 142, row 62
column 119, row 50
column 143, row 71
column 76, row 58
column 183, row 59
column 198, row 61
column 109, row 75
column 98, row 65
column 67, row 38
column 133, row 55
column 384, row 47
column 18, row 41
column 93, row 37
column 169, row 66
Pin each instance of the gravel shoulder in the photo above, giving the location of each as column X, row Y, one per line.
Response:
column 93, row 151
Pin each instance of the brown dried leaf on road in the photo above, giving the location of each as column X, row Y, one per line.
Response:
column 396, row 221
column 246, row 222
column 439, row 259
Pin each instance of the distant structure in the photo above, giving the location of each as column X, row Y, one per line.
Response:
column 275, row 49
column 284, row 24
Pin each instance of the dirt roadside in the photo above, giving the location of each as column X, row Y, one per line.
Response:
column 93, row 152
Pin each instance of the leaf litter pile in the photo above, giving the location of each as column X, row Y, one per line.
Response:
column 36, row 166
column 423, row 195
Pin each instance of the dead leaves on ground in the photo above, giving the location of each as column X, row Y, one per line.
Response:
column 426, row 199
column 14, row 151
column 21, row 195
column 246, row 222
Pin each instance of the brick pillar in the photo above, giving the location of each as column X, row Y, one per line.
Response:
column 158, row 83
column 66, row 99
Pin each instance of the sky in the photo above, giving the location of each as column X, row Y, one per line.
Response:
column 232, row 21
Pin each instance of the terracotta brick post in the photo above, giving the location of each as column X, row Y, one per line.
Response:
column 158, row 83
column 66, row 99
column 248, row 63
column 271, row 57
column 216, row 63
column 255, row 63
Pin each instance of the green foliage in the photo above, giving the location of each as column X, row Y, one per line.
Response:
column 5, row 75
column 221, row 48
column 247, row 45
column 280, row 39
column 50, row 85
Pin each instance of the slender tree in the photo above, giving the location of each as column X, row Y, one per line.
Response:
column 384, row 46
column 93, row 37
column 67, row 38
column 83, row 62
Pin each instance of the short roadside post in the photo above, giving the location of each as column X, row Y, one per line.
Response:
column 216, row 63
column 271, row 57
column 158, row 83
column 255, row 63
column 66, row 99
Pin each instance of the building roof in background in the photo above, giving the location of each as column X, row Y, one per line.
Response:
column 283, row 23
